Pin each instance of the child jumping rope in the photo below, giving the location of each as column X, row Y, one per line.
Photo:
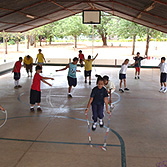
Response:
column 72, row 79
column 35, row 93
column 98, row 97
column 122, row 74
column 163, row 69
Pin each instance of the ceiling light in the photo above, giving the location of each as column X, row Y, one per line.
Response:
column 29, row 16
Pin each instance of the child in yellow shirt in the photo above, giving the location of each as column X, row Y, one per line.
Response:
column 88, row 68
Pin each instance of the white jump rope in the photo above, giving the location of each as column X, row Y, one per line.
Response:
column 6, row 117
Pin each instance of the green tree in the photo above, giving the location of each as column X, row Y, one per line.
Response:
column 128, row 29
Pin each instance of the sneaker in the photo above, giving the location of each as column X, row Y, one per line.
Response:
column 94, row 126
column 135, row 77
column 32, row 109
column 165, row 90
column 89, row 82
column 112, row 106
column 121, row 90
column 161, row 90
column 69, row 96
column 39, row 109
column 16, row 87
column 138, row 77
column 19, row 86
column 85, row 81
column 126, row 89
column 101, row 123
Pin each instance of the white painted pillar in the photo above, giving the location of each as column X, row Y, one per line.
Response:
column 4, row 46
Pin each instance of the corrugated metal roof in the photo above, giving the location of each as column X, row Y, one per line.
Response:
column 13, row 13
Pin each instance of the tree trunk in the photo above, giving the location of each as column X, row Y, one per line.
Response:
column 28, row 42
column 104, row 39
column 40, row 40
column 147, row 44
column 35, row 40
column 134, row 40
column 75, row 42
column 50, row 40
column 6, row 48
column 17, row 44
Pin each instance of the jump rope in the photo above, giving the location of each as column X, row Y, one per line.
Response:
column 104, row 147
column 6, row 117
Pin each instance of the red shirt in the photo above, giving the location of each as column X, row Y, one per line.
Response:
column 17, row 67
column 81, row 56
column 36, row 85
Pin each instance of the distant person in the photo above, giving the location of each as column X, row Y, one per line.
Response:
column 163, row 69
column 98, row 97
column 35, row 93
column 88, row 68
column 138, row 59
column 110, row 88
column 40, row 58
column 28, row 64
column 17, row 75
column 122, row 75
column 81, row 57
column 72, row 79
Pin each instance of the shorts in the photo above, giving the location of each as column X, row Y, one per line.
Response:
column 40, row 63
column 122, row 76
column 87, row 73
column 137, row 69
column 28, row 67
column 72, row 81
column 163, row 77
column 35, row 96
column 80, row 61
column 16, row 76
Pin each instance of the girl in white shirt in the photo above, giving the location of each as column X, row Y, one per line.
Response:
column 122, row 74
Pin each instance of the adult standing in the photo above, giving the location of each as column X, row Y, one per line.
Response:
column 28, row 64
column 138, row 59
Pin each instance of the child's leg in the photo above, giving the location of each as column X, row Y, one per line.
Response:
column 85, row 79
column 100, row 111
column 69, row 89
column 89, row 78
column 94, row 113
column 124, row 83
column 120, row 83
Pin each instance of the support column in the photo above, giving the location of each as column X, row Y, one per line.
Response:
column 4, row 46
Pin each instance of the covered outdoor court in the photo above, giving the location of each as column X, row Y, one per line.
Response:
column 59, row 135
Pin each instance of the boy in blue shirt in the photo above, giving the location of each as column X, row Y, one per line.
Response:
column 98, row 97
column 71, row 77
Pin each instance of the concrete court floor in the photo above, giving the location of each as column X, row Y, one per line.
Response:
column 59, row 135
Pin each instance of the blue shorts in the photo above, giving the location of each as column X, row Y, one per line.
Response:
column 163, row 77
column 87, row 73
column 72, row 81
column 16, row 76
column 122, row 76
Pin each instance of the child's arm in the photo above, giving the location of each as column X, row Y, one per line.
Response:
column 44, row 59
column 95, row 56
column 36, row 60
column 14, row 67
column 46, row 82
column 88, row 106
column 47, row 78
column 2, row 108
column 63, row 68
column 106, row 103
column 133, row 64
column 109, row 96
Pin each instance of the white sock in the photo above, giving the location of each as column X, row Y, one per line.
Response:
column 15, row 82
column 100, row 120
column 38, row 106
column 32, row 107
column 162, row 87
column 69, row 93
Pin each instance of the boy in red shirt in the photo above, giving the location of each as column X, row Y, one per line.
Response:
column 81, row 58
column 16, row 70
column 35, row 93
